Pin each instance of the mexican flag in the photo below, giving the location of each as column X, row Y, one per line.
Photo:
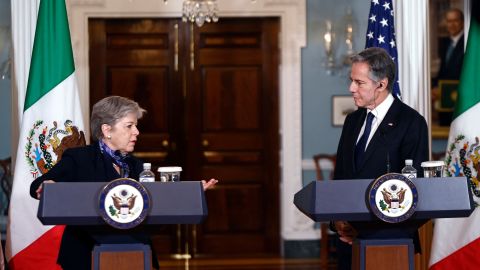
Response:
column 456, row 242
column 51, row 122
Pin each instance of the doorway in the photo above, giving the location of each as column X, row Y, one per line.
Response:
column 212, row 99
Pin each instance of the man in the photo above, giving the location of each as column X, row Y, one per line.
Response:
column 451, row 51
column 373, row 145
column 451, row 48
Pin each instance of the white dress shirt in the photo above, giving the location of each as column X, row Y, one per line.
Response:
column 379, row 112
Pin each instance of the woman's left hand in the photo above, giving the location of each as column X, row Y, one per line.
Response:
column 209, row 184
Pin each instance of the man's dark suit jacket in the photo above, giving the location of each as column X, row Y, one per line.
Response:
column 450, row 70
column 86, row 164
column 401, row 135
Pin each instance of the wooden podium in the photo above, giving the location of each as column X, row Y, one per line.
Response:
column 382, row 245
column 77, row 204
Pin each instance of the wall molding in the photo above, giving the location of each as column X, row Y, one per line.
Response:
column 292, row 14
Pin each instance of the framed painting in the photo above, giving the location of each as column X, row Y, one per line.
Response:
column 448, row 95
column 341, row 107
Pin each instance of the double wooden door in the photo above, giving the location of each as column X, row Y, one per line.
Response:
column 212, row 99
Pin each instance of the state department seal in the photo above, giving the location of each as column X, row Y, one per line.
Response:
column 393, row 198
column 124, row 203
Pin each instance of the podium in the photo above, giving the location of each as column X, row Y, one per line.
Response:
column 76, row 203
column 346, row 200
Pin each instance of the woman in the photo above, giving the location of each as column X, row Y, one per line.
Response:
column 114, row 126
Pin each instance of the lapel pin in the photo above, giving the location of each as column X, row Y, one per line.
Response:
column 390, row 124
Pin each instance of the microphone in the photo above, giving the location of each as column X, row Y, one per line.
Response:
column 382, row 131
column 388, row 160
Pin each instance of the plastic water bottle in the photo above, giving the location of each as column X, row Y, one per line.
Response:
column 409, row 171
column 147, row 175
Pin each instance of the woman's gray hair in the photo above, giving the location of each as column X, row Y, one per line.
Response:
column 111, row 109
column 380, row 63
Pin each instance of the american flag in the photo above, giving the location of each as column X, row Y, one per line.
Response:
column 381, row 33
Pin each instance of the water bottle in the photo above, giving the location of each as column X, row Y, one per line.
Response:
column 409, row 171
column 147, row 175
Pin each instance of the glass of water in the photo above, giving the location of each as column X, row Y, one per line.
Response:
column 169, row 174
column 433, row 168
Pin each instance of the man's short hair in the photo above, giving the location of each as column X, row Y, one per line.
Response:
column 380, row 63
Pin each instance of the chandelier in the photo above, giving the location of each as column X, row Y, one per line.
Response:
column 200, row 11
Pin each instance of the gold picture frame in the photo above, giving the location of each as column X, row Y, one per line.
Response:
column 448, row 91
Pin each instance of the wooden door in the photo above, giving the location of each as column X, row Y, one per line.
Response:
column 212, row 100
column 232, row 134
column 135, row 58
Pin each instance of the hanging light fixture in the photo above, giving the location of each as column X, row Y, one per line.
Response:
column 200, row 11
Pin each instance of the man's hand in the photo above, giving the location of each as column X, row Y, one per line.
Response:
column 209, row 184
column 40, row 188
column 435, row 94
column 345, row 231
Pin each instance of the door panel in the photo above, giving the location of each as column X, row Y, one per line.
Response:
column 231, row 99
column 238, row 133
column 212, row 99
column 128, row 80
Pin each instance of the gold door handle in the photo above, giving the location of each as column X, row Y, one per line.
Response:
column 192, row 48
column 175, row 59
column 205, row 143
column 165, row 143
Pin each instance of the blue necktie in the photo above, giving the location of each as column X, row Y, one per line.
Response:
column 362, row 143
column 450, row 49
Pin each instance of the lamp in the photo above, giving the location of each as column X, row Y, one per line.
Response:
column 349, row 27
column 5, row 53
column 329, row 42
column 5, row 72
column 347, row 46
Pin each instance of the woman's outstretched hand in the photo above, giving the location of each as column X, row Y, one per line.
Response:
column 209, row 184
column 40, row 188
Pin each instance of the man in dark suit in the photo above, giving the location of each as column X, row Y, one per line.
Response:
column 451, row 48
column 451, row 51
column 378, row 137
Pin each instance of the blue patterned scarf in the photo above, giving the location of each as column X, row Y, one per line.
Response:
column 117, row 157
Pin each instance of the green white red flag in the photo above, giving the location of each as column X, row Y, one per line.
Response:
column 52, row 122
column 456, row 241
